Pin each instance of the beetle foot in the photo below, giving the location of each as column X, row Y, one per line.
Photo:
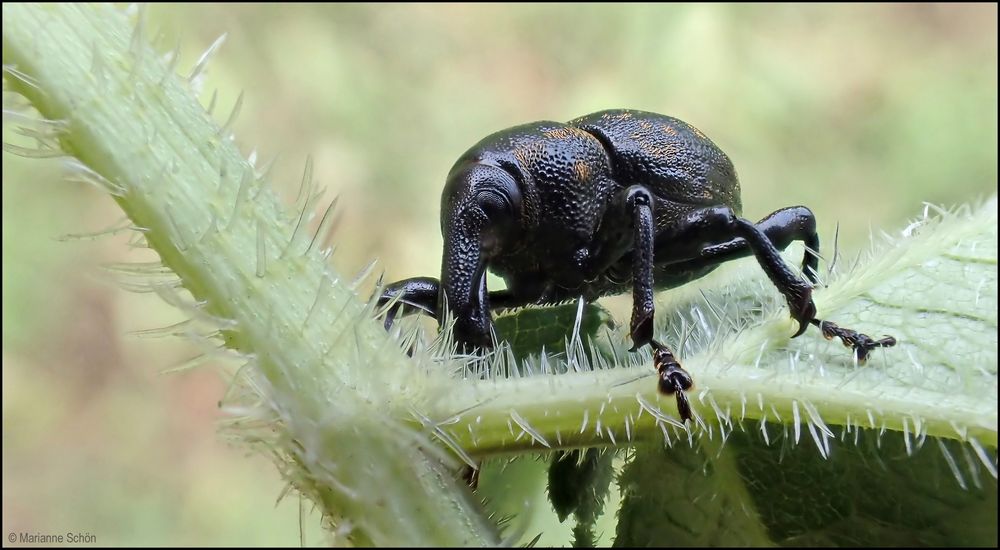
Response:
column 642, row 329
column 862, row 343
column 673, row 378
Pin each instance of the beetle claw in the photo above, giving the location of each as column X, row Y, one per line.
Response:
column 805, row 313
column 642, row 330
column 802, row 328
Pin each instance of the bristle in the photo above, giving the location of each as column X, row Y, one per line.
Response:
column 187, row 364
column 796, row 421
column 952, row 465
column 362, row 275
column 305, row 192
column 28, row 152
column 817, row 440
column 137, row 41
column 170, row 60
column 246, row 178
column 210, row 109
column 984, row 458
column 325, row 225
column 763, row 430
column 973, row 466
column 227, row 127
column 20, row 76
column 172, row 330
column 196, row 78
column 261, row 267
column 440, row 433
column 906, row 437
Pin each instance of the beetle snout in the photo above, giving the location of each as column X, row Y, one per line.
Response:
column 473, row 336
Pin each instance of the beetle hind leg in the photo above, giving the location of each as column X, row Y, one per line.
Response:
column 861, row 343
column 762, row 240
column 795, row 223
column 782, row 227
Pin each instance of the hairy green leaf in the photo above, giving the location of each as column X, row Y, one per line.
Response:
column 538, row 330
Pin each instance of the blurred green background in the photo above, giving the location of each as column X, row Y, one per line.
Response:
column 862, row 112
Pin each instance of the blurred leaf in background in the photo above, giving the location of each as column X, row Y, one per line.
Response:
column 861, row 112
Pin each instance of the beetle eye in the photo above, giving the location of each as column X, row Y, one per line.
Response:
column 494, row 204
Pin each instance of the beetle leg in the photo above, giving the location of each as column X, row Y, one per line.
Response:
column 738, row 237
column 637, row 200
column 797, row 292
column 639, row 203
column 673, row 379
column 862, row 343
column 419, row 294
column 763, row 241
column 795, row 223
column 790, row 224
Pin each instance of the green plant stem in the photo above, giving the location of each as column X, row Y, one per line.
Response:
column 333, row 379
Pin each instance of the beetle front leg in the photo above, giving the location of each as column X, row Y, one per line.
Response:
column 419, row 294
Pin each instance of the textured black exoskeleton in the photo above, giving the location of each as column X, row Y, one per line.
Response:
column 613, row 201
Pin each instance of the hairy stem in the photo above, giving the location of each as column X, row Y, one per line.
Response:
column 331, row 376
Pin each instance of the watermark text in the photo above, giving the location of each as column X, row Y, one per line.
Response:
column 71, row 537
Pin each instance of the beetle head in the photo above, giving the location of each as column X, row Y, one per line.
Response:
column 482, row 196
column 480, row 214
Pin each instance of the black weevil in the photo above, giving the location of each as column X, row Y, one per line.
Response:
column 609, row 202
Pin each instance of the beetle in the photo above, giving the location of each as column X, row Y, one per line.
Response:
column 615, row 201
